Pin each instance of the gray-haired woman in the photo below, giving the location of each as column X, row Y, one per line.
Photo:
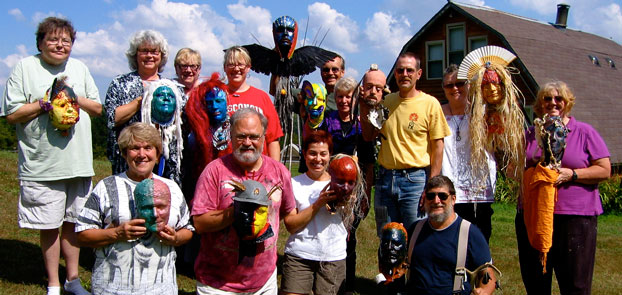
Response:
column 146, row 57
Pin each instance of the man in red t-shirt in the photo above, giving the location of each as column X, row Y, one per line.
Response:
column 237, row 64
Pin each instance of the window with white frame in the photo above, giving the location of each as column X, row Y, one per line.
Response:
column 477, row 42
column 455, row 43
column 435, row 62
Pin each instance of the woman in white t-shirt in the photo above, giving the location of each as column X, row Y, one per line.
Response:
column 315, row 252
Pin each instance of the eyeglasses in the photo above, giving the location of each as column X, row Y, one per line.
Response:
column 252, row 137
column 148, row 51
column 58, row 41
column 556, row 98
column 432, row 195
column 457, row 84
column 239, row 66
column 409, row 71
column 191, row 67
column 328, row 70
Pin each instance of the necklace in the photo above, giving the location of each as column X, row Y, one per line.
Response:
column 453, row 119
column 458, row 137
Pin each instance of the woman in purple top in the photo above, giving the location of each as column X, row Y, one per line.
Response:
column 584, row 164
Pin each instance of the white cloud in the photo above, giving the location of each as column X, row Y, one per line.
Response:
column 184, row 25
column 197, row 26
column 257, row 80
column 540, row 6
column 101, row 51
column 253, row 20
column 38, row 16
column 17, row 14
column 11, row 60
column 388, row 33
column 352, row 72
column 342, row 30
column 605, row 20
column 7, row 63
column 474, row 2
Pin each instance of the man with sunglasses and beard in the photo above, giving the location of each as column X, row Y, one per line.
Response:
column 473, row 198
column 434, row 244
column 221, row 267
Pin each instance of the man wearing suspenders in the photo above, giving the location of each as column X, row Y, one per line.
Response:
column 443, row 244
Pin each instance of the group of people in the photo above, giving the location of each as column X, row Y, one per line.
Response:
column 193, row 158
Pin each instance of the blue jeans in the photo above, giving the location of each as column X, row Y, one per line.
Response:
column 397, row 196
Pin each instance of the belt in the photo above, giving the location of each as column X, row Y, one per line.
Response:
column 383, row 170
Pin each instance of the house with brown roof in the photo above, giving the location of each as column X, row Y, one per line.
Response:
column 545, row 52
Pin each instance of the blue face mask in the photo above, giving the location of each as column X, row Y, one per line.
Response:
column 216, row 101
column 163, row 105
column 285, row 32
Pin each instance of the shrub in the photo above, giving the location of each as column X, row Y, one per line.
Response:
column 99, row 132
column 611, row 194
column 506, row 190
column 8, row 139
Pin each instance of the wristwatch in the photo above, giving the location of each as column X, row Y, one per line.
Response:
column 574, row 175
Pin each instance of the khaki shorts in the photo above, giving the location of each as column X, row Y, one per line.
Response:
column 298, row 276
column 47, row 204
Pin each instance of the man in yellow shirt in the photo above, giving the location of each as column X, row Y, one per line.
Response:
column 411, row 148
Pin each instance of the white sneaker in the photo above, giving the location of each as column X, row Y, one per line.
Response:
column 54, row 290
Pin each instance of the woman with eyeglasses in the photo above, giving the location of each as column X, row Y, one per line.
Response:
column 237, row 65
column 188, row 68
column 584, row 163
column 146, row 57
column 54, row 168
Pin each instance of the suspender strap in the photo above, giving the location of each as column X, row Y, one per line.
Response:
column 413, row 238
column 411, row 245
column 463, row 243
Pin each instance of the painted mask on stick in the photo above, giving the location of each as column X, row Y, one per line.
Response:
column 393, row 251
column 492, row 89
column 65, row 110
column 314, row 102
column 163, row 105
column 251, row 203
column 216, row 102
column 153, row 203
column 285, row 33
column 343, row 176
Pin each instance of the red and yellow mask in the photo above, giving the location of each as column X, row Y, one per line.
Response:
column 65, row 110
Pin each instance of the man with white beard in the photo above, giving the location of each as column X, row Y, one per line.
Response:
column 221, row 268
column 434, row 245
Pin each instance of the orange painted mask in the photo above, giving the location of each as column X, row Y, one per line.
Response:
column 343, row 175
column 492, row 89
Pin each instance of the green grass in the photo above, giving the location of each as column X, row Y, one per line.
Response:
column 22, row 266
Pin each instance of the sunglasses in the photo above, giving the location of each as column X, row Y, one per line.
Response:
column 328, row 70
column 556, row 98
column 457, row 84
column 432, row 195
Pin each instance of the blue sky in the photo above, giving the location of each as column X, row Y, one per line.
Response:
column 364, row 31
